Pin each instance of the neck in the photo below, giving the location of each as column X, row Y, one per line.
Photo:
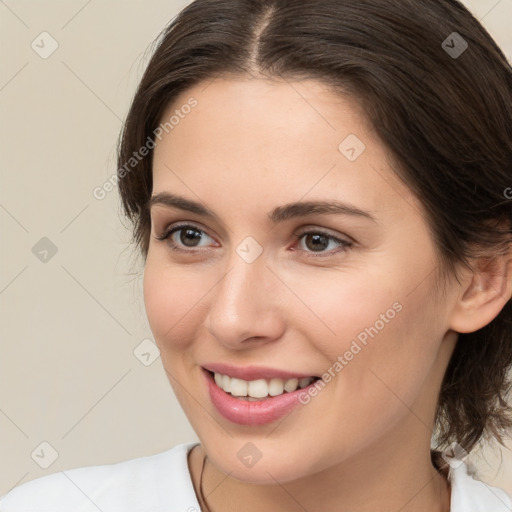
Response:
column 394, row 480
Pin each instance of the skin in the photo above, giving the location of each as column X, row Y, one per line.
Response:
column 361, row 444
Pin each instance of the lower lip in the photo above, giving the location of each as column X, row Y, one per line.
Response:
column 259, row 412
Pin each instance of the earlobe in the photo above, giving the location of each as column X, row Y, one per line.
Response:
column 483, row 294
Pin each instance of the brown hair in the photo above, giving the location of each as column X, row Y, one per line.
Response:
column 445, row 117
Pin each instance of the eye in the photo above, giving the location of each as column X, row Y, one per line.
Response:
column 320, row 242
column 185, row 236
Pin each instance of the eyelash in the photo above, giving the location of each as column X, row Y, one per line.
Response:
column 345, row 244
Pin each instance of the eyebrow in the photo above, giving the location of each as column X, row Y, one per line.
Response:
column 279, row 214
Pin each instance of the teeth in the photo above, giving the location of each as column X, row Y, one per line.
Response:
column 275, row 387
column 291, row 385
column 305, row 381
column 238, row 387
column 226, row 383
column 258, row 389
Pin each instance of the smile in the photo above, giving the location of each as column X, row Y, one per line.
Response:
column 257, row 401
column 260, row 389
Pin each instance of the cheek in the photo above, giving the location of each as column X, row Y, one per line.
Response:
column 340, row 305
column 172, row 299
column 410, row 347
column 373, row 332
column 378, row 366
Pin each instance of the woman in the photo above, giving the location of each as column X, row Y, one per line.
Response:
column 319, row 192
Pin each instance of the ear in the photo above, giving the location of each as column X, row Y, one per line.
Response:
column 484, row 292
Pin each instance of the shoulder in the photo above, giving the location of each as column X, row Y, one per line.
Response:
column 468, row 494
column 151, row 484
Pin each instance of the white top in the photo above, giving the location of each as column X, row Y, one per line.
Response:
column 162, row 483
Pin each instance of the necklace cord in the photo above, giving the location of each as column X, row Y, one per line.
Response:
column 201, row 494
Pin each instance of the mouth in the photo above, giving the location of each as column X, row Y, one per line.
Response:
column 259, row 389
column 257, row 401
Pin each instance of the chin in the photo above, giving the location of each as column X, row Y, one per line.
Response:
column 266, row 471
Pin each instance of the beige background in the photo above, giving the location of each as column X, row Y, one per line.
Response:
column 70, row 325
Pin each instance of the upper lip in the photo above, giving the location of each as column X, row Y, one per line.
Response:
column 253, row 372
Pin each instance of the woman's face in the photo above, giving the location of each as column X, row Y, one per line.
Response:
column 259, row 278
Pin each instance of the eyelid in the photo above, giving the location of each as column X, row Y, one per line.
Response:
column 183, row 224
column 324, row 231
column 344, row 244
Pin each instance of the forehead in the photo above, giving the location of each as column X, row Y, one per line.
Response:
column 291, row 139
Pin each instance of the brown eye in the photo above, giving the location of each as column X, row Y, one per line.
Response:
column 189, row 237
column 316, row 242
column 322, row 243
column 181, row 237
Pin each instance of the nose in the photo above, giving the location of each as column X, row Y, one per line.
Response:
column 245, row 306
